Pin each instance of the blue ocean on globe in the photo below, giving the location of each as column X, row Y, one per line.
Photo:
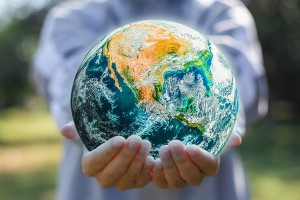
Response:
column 159, row 80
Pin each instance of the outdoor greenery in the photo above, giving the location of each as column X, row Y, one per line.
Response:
column 270, row 155
column 278, row 26
column 29, row 155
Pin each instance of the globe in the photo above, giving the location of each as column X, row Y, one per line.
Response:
column 159, row 80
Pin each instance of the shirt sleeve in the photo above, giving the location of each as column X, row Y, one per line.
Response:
column 68, row 32
column 231, row 27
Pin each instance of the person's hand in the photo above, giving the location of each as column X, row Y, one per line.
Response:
column 119, row 163
column 179, row 166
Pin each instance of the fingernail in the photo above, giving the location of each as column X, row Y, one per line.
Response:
column 158, row 164
column 118, row 142
column 133, row 144
column 164, row 152
column 207, row 154
column 145, row 146
column 191, row 149
column 149, row 160
column 234, row 140
column 175, row 149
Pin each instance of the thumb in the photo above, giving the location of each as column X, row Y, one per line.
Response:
column 234, row 140
column 69, row 131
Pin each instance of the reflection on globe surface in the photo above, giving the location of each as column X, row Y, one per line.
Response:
column 159, row 80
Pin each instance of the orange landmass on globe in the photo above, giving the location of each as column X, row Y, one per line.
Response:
column 158, row 43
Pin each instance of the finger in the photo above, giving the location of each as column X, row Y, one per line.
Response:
column 120, row 164
column 170, row 168
column 188, row 171
column 69, row 131
column 234, row 140
column 207, row 163
column 158, row 176
column 94, row 161
column 145, row 176
column 135, row 168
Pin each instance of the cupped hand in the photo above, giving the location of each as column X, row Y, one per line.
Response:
column 119, row 163
column 179, row 166
column 124, row 164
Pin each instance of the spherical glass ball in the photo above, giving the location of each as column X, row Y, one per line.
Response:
column 159, row 80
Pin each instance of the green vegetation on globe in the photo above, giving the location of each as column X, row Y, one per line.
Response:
column 159, row 80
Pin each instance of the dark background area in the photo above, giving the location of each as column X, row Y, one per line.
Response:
column 278, row 26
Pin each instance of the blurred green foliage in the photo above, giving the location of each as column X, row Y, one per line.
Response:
column 29, row 154
column 37, row 184
column 19, row 35
column 278, row 25
column 18, row 41
column 271, row 158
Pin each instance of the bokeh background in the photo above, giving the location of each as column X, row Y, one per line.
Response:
column 30, row 144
